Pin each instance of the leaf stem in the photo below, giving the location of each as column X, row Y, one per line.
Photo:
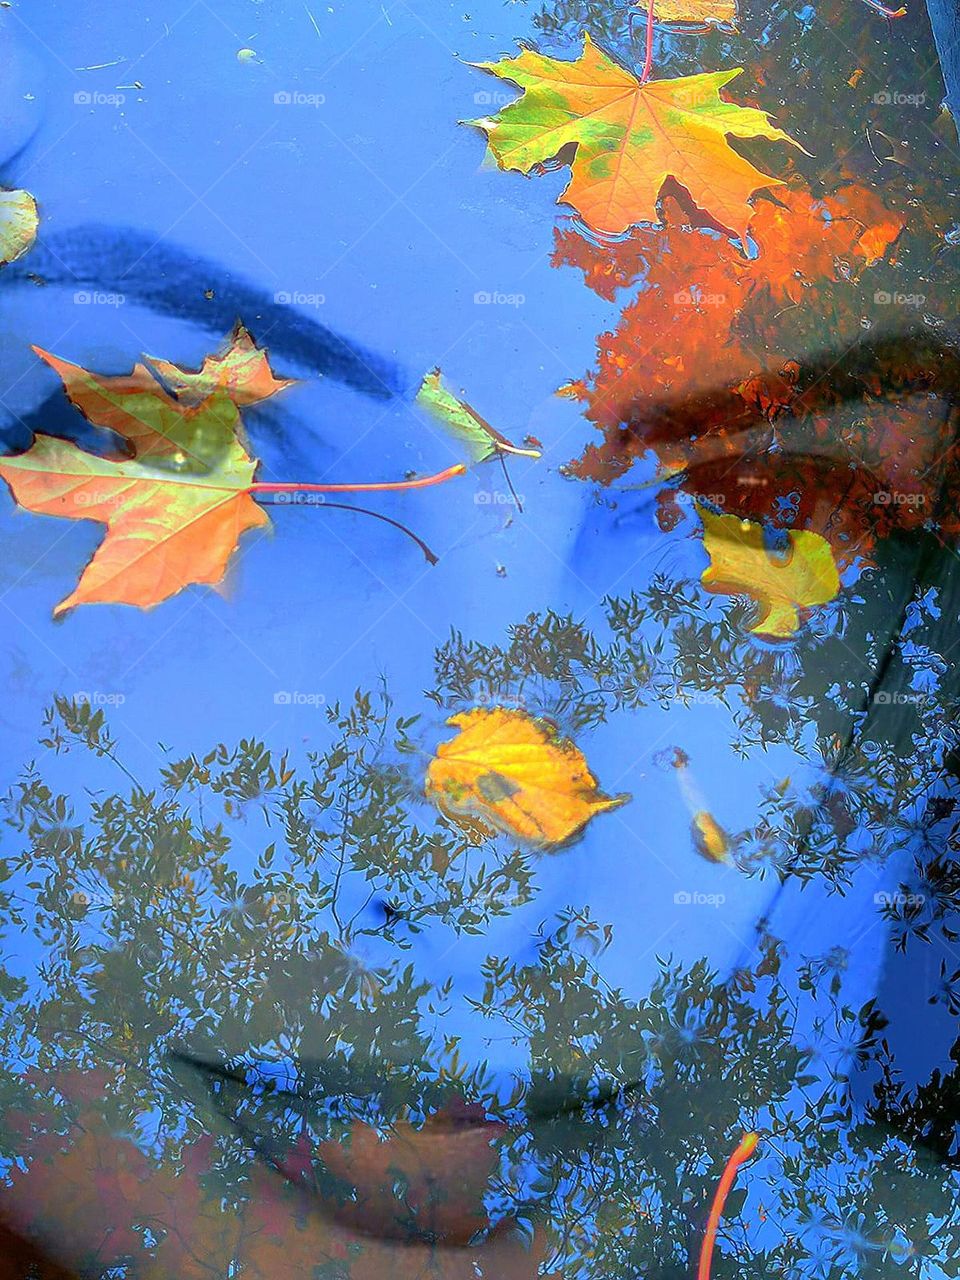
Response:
column 648, row 55
column 429, row 556
column 887, row 13
column 504, row 447
column 422, row 482
column 743, row 1152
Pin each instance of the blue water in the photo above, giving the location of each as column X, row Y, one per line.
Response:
column 367, row 198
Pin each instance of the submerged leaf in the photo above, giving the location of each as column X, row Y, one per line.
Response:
column 740, row 564
column 18, row 224
column 518, row 773
column 160, row 429
column 239, row 367
column 463, row 422
column 630, row 137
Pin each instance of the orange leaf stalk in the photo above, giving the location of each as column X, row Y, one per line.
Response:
column 742, row 1154
column 423, row 482
column 648, row 54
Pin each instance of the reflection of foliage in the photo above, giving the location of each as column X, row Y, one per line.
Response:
column 863, row 695
column 151, row 938
column 157, row 868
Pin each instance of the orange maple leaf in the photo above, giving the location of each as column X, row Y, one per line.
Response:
column 167, row 526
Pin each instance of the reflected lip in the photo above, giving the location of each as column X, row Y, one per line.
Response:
column 423, row 1185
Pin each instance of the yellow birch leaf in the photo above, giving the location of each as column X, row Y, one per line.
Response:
column 719, row 11
column 518, row 773
column 781, row 585
column 18, row 224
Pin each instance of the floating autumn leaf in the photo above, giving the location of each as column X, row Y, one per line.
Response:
column 18, row 224
column 518, row 773
column 463, row 422
column 709, row 838
column 630, row 137
column 723, row 12
column 740, row 564
column 239, row 367
column 164, row 530
column 175, row 510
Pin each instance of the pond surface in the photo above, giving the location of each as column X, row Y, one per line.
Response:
column 551, row 868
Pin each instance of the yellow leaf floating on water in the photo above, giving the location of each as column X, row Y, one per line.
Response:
column 710, row 839
column 18, row 224
column 518, row 773
column 720, row 11
column 781, row 585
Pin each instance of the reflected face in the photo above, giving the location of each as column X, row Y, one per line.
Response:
column 299, row 937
